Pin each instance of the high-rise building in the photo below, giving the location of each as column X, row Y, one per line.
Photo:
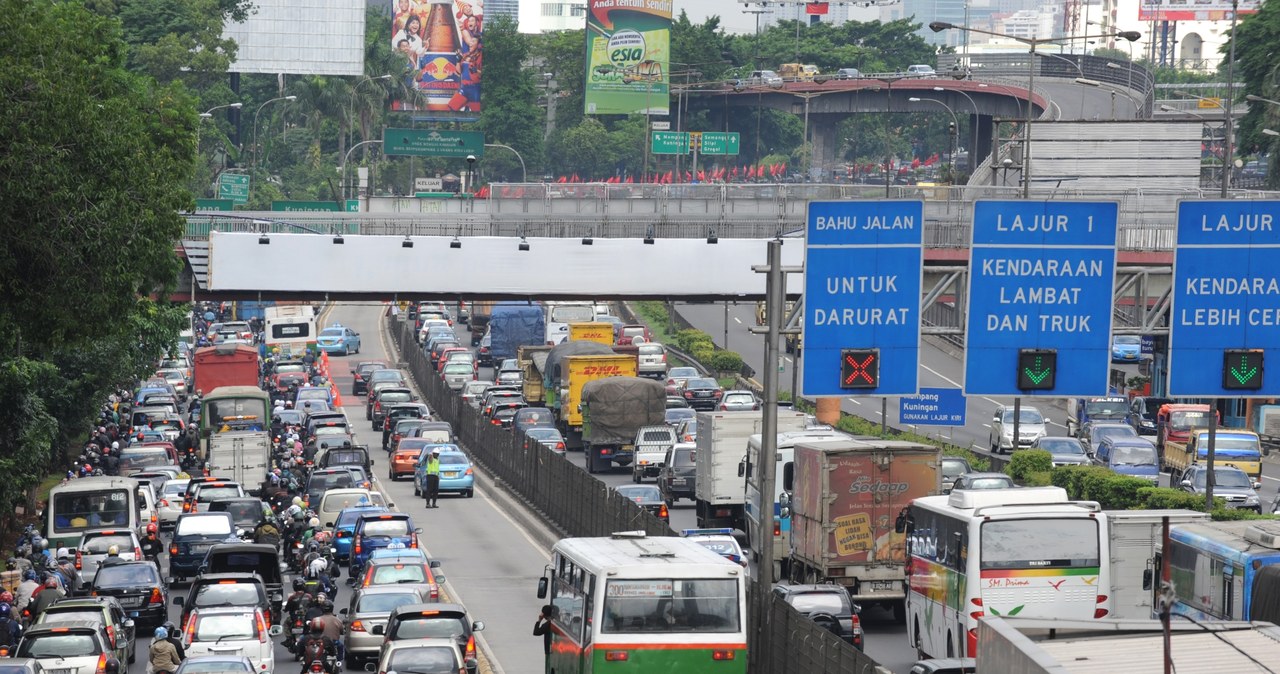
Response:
column 497, row 8
column 540, row 16
column 925, row 12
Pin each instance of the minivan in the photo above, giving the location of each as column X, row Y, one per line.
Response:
column 652, row 359
column 921, row 70
column 676, row 476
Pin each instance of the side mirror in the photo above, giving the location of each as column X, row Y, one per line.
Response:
column 418, row 530
column 542, row 587
column 370, row 666
column 275, row 630
column 1146, row 579
column 788, row 476
column 435, row 564
column 477, row 626
column 413, row 397
column 742, row 469
column 1257, row 485
column 378, row 630
column 129, row 624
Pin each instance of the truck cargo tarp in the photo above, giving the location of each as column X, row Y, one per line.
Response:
column 620, row 406
column 561, row 351
column 514, row 326
column 539, row 359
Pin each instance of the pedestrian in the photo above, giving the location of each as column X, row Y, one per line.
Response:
column 433, row 479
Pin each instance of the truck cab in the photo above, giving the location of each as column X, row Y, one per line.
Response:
column 1232, row 447
column 1175, row 421
column 1081, row 411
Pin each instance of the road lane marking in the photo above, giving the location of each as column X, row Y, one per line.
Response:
column 941, row 376
column 737, row 320
column 854, row 401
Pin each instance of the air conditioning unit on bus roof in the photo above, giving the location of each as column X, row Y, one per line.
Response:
column 1266, row 534
column 987, row 498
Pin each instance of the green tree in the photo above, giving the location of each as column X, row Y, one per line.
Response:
column 585, row 149
column 1258, row 35
column 178, row 39
column 562, row 54
column 510, row 114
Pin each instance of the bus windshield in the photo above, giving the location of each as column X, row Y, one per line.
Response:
column 77, row 510
column 235, row 414
column 671, row 605
column 1040, row 543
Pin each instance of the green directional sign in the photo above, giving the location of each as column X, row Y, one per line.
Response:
column 714, row 142
column 669, row 142
column 234, row 186
column 433, row 143
column 1242, row 369
column 1037, row 369
column 214, row 204
column 305, row 206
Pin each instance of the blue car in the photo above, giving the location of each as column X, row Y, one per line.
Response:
column 1134, row 457
column 193, row 535
column 457, row 475
column 1126, row 348
column 345, row 526
column 381, row 530
column 338, row 340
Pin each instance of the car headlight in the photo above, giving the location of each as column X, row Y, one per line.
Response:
column 1148, row 424
column 1252, row 500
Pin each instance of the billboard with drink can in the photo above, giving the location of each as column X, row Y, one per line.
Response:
column 440, row 42
column 628, row 57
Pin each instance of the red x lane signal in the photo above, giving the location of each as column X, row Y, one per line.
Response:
column 859, row 368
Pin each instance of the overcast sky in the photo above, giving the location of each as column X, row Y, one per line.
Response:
column 730, row 12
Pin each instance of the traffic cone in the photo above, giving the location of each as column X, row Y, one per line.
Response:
column 337, row 397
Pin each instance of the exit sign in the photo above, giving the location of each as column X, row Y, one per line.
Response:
column 1242, row 369
column 1037, row 369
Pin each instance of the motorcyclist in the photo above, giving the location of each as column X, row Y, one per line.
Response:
column 113, row 557
column 47, row 596
column 30, row 583
column 164, row 658
column 10, row 628
column 332, row 627
column 151, row 543
column 267, row 532
column 316, row 609
column 318, row 648
column 318, row 570
column 295, row 607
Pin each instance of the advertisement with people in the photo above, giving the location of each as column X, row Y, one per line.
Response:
column 628, row 57
column 441, row 43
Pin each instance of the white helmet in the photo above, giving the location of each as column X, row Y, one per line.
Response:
column 318, row 566
column 313, row 522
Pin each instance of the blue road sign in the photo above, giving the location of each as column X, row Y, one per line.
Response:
column 1148, row 347
column 863, row 265
column 1041, row 279
column 933, row 407
column 1226, row 297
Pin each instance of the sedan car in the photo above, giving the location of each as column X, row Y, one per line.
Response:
column 417, row 575
column 366, row 619
column 139, row 588
column 674, row 415
column 702, row 393
column 211, row 590
column 232, row 630
column 739, row 401
column 983, row 481
column 648, row 497
column 502, row 413
column 952, row 468
column 1229, row 483
column 457, row 475
column 362, row 369
column 1065, row 451
column 546, row 436
column 1126, row 348
column 71, row 647
column 471, row 391
column 827, row 605
column 216, row 664
column 1094, row 433
column 193, row 535
column 404, row 460
column 421, row 656
column 719, row 541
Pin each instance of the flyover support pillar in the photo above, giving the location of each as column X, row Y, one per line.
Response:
column 824, row 131
column 985, row 126
column 828, row 411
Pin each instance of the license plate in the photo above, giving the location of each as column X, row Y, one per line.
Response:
column 451, row 475
column 703, row 394
column 883, row 585
column 134, row 614
column 59, row 671
column 677, row 480
column 200, row 548
column 130, row 601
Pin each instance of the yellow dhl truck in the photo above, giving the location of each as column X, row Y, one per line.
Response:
column 1232, row 447
column 576, row 372
column 591, row 332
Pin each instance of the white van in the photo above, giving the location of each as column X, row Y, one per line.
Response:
column 335, row 501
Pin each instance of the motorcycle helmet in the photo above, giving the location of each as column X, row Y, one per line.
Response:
column 161, row 633
column 113, row 551
column 313, row 522
column 64, row 554
column 6, row 611
column 299, row 584
column 31, row 575
column 297, row 500
column 37, row 544
column 152, row 528
column 6, row 597
column 317, row 626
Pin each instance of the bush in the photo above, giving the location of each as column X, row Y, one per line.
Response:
column 685, row 339
column 726, row 361
column 1039, row 478
column 1029, row 461
column 702, row 353
column 654, row 312
column 1222, row 514
column 1163, row 498
column 1095, row 483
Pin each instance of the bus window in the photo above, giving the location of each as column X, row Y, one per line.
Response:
column 235, row 414
column 76, row 510
column 670, row 605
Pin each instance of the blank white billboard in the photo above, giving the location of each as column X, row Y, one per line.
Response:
column 495, row 266
column 300, row 37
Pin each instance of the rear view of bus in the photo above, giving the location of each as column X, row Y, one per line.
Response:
column 630, row 603
column 1029, row 553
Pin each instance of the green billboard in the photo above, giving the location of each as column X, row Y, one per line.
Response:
column 628, row 55
column 433, row 143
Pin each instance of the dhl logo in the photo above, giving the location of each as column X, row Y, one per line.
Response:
column 593, row 334
column 602, row 370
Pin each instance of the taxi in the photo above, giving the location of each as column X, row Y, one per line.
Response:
column 404, row 460
column 338, row 340
column 719, row 541
column 457, row 475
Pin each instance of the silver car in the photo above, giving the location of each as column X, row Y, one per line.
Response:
column 471, row 391
column 420, row 655
column 1229, row 484
column 456, row 375
column 69, row 647
column 93, row 547
column 169, row 505
column 739, row 401
column 370, row 608
column 652, row 359
column 1031, row 427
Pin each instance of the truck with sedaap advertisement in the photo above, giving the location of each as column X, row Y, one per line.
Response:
column 846, row 495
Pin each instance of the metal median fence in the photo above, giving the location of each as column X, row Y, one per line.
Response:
column 581, row 505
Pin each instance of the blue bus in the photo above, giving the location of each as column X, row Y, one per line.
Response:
column 1214, row 566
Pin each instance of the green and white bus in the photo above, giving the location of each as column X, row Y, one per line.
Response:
column 632, row 603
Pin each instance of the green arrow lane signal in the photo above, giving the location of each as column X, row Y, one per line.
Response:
column 1037, row 369
column 1242, row 369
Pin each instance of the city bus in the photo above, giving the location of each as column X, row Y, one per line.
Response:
column 1030, row 553
column 90, row 503
column 1214, row 566
column 754, row 502
column 634, row 603
column 290, row 330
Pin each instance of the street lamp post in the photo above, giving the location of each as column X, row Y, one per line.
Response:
column 524, row 175
column 348, row 157
column 207, row 114
column 888, row 109
column 973, row 127
column 255, row 125
column 1228, row 151
column 351, row 104
column 951, row 137
column 1032, row 43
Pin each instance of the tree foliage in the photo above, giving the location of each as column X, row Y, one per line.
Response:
column 1256, row 38
column 510, row 115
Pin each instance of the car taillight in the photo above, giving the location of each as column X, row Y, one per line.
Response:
column 777, row 528
column 137, row 554
column 724, row 408
column 111, row 635
column 261, row 625
column 102, row 664
column 186, row 506
column 79, row 561
column 717, row 393
column 497, row 422
column 471, row 647
column 155, row 597
column 357, row 626
column 173, row 549
column 560, row 445
column 468, row 472
column 435, row 591
column 413, row 540
column 355, row 546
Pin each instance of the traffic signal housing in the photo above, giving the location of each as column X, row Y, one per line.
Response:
column 1037, row 369
column 1242, row 369
column 859, row 368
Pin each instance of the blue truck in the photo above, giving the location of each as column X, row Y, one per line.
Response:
column 1081, row 411
column 513, row 325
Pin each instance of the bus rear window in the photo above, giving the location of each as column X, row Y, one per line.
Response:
column 84, row 509
column 671, row 605
column 1040, row 544
column 228, row 414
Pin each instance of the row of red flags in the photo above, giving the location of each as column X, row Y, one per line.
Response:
column 723, row 173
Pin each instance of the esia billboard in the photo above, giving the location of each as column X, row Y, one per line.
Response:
column 628, row 57
column 440, row 43
column 1193, row 10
